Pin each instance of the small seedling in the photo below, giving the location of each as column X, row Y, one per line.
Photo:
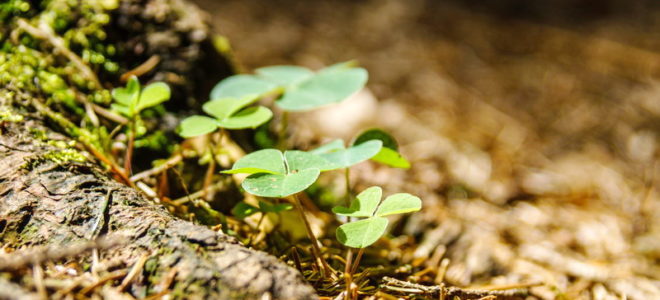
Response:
column 130, row 101
column 278, row 175
column 295, row 88
column 299, row 88
column 368, row 205
column 229, row 113
column 363, row 233
column 283, row 175
column 373, row 144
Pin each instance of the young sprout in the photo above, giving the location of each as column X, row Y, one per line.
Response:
column 368, row 205
column 130, row 101
column 282, row 175
column 299, row 88
column 373, row 144
column 278, row 175
column 229, row 113
column 363, row 233
column 296, row 88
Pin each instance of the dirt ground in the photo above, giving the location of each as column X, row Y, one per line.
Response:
column 533, row 130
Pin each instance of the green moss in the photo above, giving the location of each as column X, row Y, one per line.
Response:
column 8, row 116
column 80, row 25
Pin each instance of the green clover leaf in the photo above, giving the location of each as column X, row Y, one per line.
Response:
column 362, row 233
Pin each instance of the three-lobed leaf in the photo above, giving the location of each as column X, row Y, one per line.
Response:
column 277, row 174
column 362, row 233
column 279, row 185
column 229, row 113
column 130, row 101
column 348, row 157
column 325, row 87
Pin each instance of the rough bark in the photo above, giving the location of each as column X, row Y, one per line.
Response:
column 53, row 205
column 60, row 203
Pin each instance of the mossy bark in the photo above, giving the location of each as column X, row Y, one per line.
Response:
column 54, row 195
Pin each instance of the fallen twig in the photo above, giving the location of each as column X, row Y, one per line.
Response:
column 145, row 67
column 451, row 292
column 157, row 170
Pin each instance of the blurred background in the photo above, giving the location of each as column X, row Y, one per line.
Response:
column 532, row 127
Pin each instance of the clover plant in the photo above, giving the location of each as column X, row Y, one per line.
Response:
column 295, row 88
column 130, row 101
column 374, row 144
column 278, row 175
column 229, row 113
column 299, row 88
column 284, row 173
column 368, row 205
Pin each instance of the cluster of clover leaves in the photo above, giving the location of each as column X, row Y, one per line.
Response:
column 273, row 173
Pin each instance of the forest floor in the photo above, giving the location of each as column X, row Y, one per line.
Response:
column 534, row 141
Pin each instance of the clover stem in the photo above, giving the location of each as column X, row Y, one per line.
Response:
column 347, row 273
column 310, row 234
column 208, row 178
column 356, row 263
column 129, row 147
column 281, row 135
column 347, row 178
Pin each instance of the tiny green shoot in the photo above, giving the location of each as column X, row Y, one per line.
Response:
column 229, row 113
column 295, row 88
column 283, row 175
column 368, row 205
column 278, row 175
column 130, row 101
column 299, row 88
